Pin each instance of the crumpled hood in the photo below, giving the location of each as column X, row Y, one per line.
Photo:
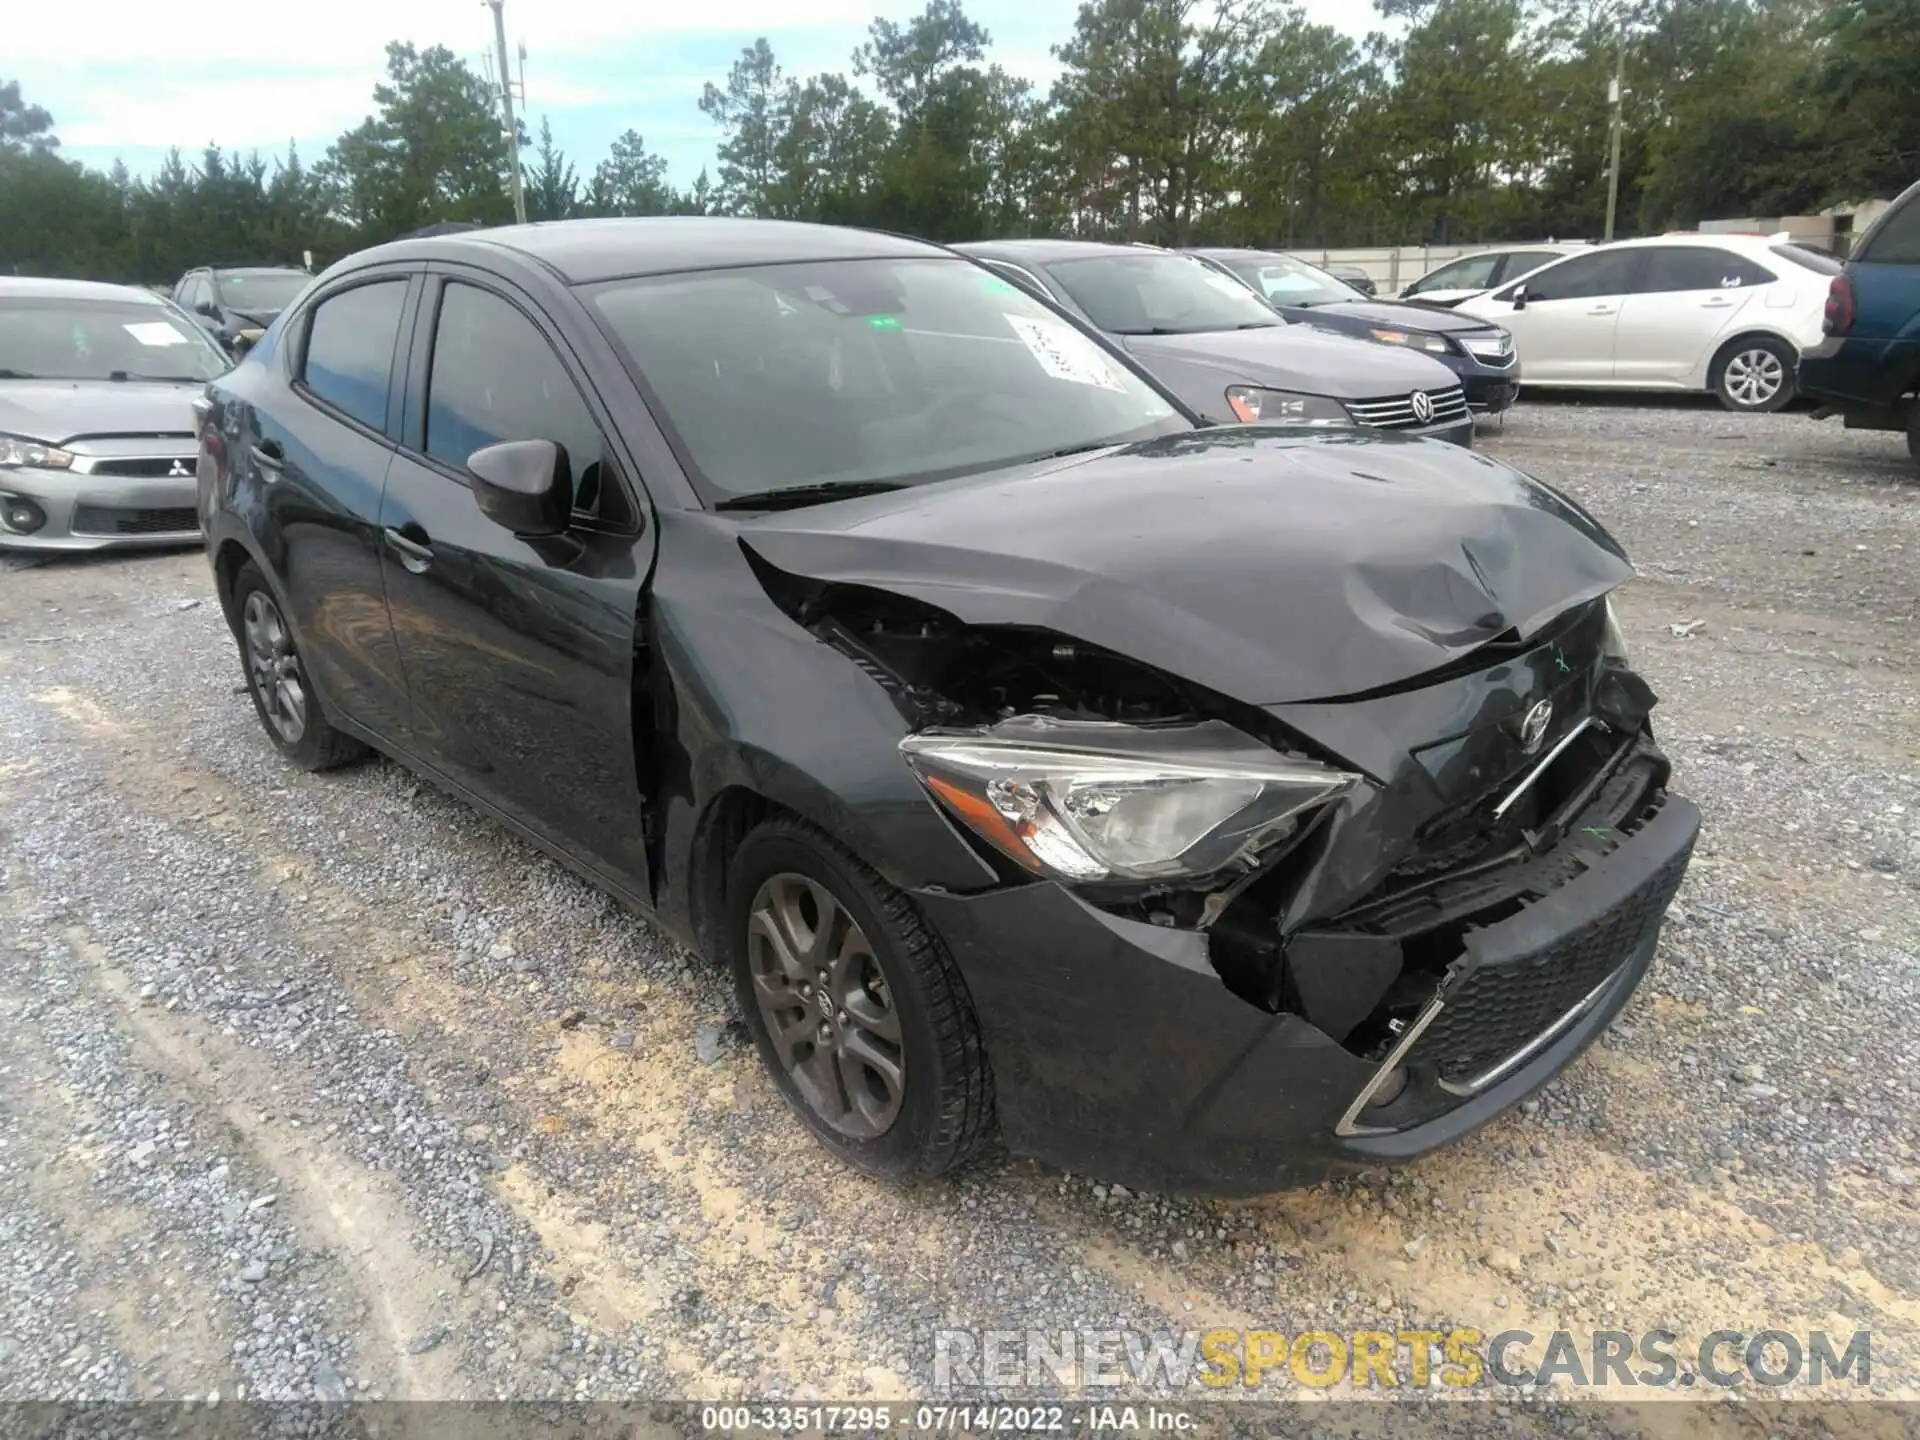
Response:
column 1299, row 357
column 1264, row 564
column 57, row 411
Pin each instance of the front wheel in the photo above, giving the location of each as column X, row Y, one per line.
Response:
column 277, row 680
column 857, row 1009
column 1756, row 375
column 1913, row 433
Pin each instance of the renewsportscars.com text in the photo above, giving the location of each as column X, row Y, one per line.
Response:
column 1225, row 1361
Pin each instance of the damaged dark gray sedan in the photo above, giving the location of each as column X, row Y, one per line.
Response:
column 1195, row 807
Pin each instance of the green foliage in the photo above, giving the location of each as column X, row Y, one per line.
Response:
column 1171, row 121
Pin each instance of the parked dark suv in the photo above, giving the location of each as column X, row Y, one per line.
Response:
column 235, row 304
column 1868, row 367
column 1201, row 806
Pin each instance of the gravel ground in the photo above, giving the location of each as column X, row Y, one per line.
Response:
column 318, row 1087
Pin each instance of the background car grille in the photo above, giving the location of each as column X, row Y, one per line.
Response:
column 104, row 520
column 1489, row 1012
column 143, row 467
column 1396, row 411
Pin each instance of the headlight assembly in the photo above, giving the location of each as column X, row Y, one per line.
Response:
column 1253, row 406
column 1096, row 801
column 16, row 451
column 1412, row 340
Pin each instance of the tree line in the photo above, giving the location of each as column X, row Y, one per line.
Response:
column 1171, row 121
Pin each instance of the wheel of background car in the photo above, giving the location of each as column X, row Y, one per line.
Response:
column 277, row 680
column 1755, row 373
column 856, row 1008
column 1913, row 434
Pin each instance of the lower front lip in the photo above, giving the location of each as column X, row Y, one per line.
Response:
column 86, row 512
column 1117, row 1049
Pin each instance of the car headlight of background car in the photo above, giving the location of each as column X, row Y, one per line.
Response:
column 1490, row 345
column 1253, row 406
column 1412, row 340
column 16, row 451
column 1212, row 799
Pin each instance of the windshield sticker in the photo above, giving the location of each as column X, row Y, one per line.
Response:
column 885, row 322
column 1064, row 352
column 155, row 333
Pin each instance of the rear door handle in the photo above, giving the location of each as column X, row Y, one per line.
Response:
column 1719, row 302
column 414, row 554
column 267, row 454
column 1601, row 310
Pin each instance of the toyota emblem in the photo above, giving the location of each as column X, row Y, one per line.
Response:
column 1422, row 406
column 1533, row 729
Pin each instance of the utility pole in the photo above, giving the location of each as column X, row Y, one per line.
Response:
column 506, row 105
column 1613, row 129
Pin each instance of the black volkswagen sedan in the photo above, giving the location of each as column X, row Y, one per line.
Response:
column 1478, row 351
column 1205, row 807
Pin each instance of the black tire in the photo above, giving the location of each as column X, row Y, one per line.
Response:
column 1913, row 433
column 1741, row 372
column 312, row 744
column 945, row 1114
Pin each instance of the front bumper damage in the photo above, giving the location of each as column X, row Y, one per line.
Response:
column 1410, row 1018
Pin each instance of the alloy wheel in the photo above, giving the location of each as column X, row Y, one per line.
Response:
column 1754, row 377
column 274, row 667
column 826, row 1005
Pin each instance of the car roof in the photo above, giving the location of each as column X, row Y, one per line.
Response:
column 1758, row 244
column 1042, row 252
column 19, row 287
column 257, row 270
column 582, row 252
column 1249, row 252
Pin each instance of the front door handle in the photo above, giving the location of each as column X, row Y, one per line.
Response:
column 1601, row 310
column 267, row 454
column 416, row 555
column 1719, row 302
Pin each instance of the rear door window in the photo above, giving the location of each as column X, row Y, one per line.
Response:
column 1896, row 241
column 349, row 355
column 1697, row 267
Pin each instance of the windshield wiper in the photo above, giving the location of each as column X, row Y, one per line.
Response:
column 792, row 496
column 125, row 375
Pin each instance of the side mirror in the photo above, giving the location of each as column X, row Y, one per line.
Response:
column 206, row 308
column 242, row 344
column 1520, row 298
column 524, row 485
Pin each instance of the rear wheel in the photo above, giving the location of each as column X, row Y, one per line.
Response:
column 855, row 1006
column 277, row 680
column 1913, row 432
column 1755, row 374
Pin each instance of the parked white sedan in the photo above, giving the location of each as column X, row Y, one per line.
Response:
column 1725, row 313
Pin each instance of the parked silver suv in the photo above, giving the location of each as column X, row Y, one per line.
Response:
column 97, row 427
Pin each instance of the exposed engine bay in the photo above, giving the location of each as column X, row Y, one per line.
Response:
column 1448, row 849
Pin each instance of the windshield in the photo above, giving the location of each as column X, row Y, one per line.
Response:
column 1150, row 292
column 849, row 371
column 262, row 290
column 49, row 339
column 1287, row 281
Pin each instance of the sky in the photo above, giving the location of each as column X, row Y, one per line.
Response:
column 126, row 79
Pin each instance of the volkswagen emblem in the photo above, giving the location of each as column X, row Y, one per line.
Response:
column 1533, row 729
column 178, row 470
column 1422, row 407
